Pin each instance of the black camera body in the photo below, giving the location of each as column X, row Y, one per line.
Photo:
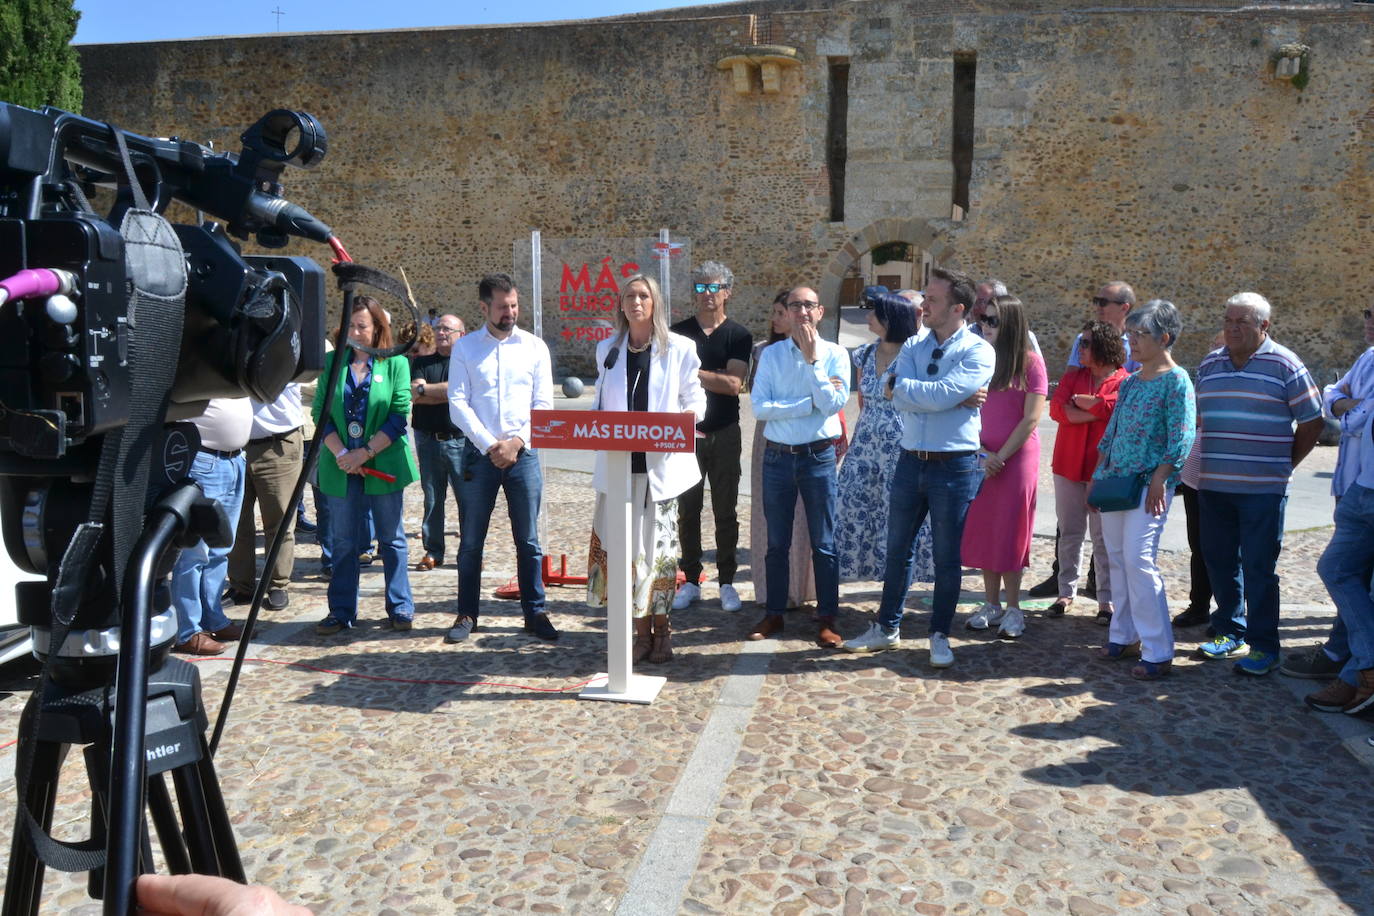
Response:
column 250, row 325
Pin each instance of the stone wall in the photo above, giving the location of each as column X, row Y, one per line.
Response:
column 1148, row 144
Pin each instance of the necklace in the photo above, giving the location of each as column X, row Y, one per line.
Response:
column 634, row 349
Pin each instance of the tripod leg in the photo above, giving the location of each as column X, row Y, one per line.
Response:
column 168, row 830
column 205, row 820
column 230, row 865
column 24, row 884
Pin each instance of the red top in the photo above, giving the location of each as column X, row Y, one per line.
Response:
column 1075, row 446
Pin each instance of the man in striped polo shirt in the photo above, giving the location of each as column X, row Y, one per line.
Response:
column 1251, row 394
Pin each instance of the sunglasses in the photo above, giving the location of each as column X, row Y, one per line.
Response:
column 989, row 320
column 710, row 287
column 935, row 355
column 1103, row 303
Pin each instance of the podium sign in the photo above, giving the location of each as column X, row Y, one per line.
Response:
column 613, row 430
column 617, row 433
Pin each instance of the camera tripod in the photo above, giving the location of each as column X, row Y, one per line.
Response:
column 124, row 767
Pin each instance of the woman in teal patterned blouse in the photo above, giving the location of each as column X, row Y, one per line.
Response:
column 1150, row 433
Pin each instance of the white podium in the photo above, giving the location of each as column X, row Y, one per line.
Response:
column 618, row 433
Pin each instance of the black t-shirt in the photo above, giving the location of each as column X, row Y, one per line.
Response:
column 431, row 418
column 637, row 396
column 730, row 340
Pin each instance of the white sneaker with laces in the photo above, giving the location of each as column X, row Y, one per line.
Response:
column 872, row 640
column 729, row 598
column 686, row 595
column 1013, row 624
column 987, row 615
column 940, row 655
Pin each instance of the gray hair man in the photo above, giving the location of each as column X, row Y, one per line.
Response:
column 1260, row 414
column 724, row 347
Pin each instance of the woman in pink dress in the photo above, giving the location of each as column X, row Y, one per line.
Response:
column 997, row 531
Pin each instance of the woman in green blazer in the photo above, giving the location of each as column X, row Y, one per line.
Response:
column 366, row 429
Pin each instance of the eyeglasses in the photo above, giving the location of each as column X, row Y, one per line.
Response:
column 1103, row 303
column 799, row 304
column 989, row 320
column 935, row 355
column 710, row 287
column 443, row 329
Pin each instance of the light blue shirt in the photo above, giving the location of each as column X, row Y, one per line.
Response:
column 1355, row 458
column 929, row 404
column 797, row 399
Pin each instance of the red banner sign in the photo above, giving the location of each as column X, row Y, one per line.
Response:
column 613, row 430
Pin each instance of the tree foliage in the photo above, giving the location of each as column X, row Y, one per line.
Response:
column 38, row 65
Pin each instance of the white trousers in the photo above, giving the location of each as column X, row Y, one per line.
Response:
column 1076, row 519
column 1141, row 607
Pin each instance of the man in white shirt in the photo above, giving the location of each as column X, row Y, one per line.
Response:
column 497, row 375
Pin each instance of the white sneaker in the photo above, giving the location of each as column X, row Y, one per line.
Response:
column 686, row 595
column 940, row 656
column 987, row 615
column 1013, row 624
column 872, row 640
column 729, row 598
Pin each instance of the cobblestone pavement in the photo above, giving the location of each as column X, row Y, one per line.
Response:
column 1029, row 778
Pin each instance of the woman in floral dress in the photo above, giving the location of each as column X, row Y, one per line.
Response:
column 866, row 474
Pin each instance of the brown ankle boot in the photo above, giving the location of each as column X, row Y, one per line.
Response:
column 644, row 639
column 663, row 647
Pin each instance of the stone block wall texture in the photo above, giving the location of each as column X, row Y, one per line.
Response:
column 1143, row 142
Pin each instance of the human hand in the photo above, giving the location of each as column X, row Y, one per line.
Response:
column 975, row 401
column 1086, row 401
column 203, row 895
column 352, row 461
column 805, row 338
column 837, row 382
column 1154, row 498
column 505, row 452
column 993, row 464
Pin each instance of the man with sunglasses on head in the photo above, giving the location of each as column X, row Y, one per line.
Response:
column 1112, row 304
column 438, row 440
column 801, row 385
column 935, row 383
column 723, row 345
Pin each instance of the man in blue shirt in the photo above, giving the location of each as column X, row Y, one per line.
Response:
column 801, row 385
column 937, row 382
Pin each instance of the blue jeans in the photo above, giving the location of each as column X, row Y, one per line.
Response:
column 199, row 574
column 1242, row 534
column 1345, row 569
column 812, row 477
column 441, row 467
column 523, row 484
column 942, row 490
column 347, row 530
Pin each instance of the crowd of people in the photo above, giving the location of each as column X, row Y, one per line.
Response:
column 941, row 472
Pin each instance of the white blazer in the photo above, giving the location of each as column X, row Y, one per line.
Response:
column 674, row 387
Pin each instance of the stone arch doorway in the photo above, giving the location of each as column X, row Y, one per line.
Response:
column 929, row 244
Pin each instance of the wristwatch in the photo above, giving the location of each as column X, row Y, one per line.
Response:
column 420, row 389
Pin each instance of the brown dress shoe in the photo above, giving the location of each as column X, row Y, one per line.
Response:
column 228, row 634
column 766, row 627
column 201, row 643
column 827, row 638
column 426, row 564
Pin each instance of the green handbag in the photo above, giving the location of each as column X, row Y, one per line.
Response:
column 1117, row 494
